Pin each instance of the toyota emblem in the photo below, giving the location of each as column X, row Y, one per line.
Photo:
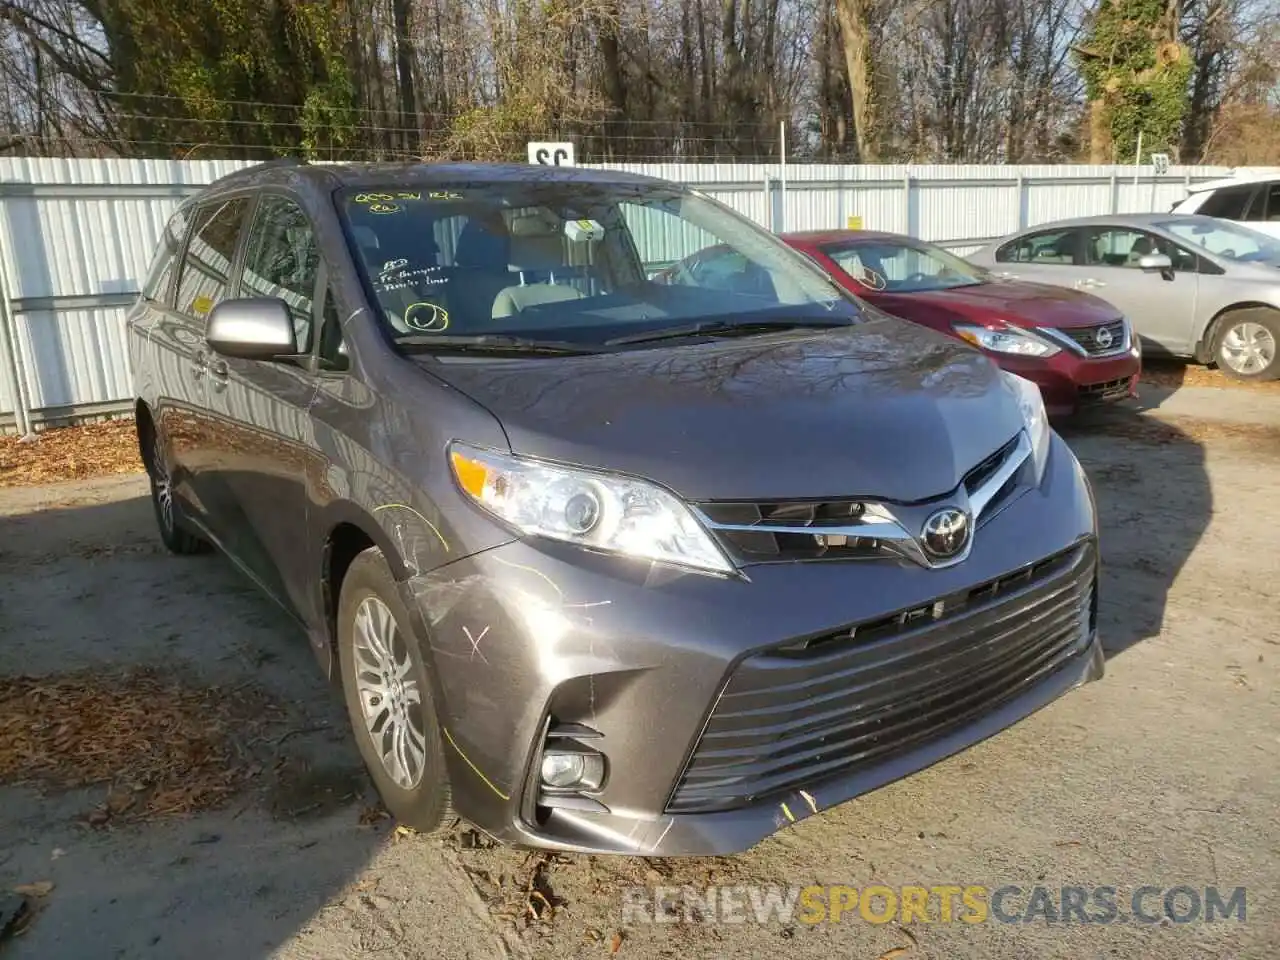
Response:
column 946, row 533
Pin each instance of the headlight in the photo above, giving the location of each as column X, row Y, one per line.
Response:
column 1033, row 417
column 597, row 510
column 1006, row 340
column 1135, row 341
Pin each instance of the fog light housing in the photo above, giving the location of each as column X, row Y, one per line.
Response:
column 572, row 770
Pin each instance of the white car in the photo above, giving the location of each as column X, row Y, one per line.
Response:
column 1253, row 201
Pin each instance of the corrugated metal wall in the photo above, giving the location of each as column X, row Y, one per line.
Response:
column 77, row 236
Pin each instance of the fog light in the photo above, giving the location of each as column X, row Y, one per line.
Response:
column 563, row 769
column 572, row 769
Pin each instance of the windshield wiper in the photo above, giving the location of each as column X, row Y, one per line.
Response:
column 493, row 343
column 722, row 328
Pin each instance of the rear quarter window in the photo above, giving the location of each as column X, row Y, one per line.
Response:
column 156, row 286
column 206, row 268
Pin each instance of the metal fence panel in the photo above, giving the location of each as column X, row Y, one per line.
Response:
column 77, row 235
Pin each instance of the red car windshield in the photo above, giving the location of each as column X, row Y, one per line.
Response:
column 898, row 267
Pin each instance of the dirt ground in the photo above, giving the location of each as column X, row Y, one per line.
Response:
column 1166, row 773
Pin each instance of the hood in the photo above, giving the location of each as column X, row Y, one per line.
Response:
column 1015, row 302
column 884, row 408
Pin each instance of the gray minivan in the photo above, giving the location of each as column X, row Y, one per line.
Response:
column 603, row 563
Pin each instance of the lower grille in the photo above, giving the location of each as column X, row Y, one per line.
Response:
column 1102, row 392
column 1097, row 342
column 832, row 705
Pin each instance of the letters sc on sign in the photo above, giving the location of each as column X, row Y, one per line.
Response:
column 552, row 154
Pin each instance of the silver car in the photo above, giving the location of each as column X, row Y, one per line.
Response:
column 1192, row 286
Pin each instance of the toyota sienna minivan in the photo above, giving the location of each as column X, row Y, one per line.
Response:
column 604, row 564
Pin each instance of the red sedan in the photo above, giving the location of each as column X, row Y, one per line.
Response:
column 1078, row 348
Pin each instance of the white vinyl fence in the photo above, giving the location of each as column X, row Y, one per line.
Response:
column 76, row 237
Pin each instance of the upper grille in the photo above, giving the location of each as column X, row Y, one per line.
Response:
column 764, row 541
column 845, row 528
column 1087, row 337
column 832, row 704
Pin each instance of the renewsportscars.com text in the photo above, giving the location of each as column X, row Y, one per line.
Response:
column 942, row 903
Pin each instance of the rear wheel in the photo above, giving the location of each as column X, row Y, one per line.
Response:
column 1247, row 344
column 173, row 531
column 388, row 695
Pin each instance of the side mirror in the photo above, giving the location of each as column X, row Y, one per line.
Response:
column 255, row 328
column 1155, row 261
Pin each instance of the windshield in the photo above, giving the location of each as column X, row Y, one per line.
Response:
column 900, row 267
column 1226, row 239
column 573, row 262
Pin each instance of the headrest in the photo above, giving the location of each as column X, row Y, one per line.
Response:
column 541, row 251
column 365, row 237
column 478, row 246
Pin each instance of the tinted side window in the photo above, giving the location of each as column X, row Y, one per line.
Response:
column 1053, row 247
column 1229, row 203
column 156, row 286
column 1273, row 203
column 281, row 260
column 206, row 269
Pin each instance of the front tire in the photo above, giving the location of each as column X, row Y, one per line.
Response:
column 173, row 533
column 1247, row 344
column 388, row 693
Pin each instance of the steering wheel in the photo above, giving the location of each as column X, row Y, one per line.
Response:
column 916, row 277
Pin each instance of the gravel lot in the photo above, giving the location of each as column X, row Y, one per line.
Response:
column 1165, row 773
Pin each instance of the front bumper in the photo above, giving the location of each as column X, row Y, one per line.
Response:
column 641, row 655
column 1070, row 383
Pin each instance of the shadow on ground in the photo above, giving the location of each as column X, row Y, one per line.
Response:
column 89, row 588
column 1154, row 503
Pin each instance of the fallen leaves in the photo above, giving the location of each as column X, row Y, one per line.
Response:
column 41, row 888
column 70, row 453
column 373, row 814
column 1173, row 430
column 19, row 906
column 164, row 748
column 1180, row 373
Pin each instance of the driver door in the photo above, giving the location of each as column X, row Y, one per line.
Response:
column 263, row 408
column 1161, row 305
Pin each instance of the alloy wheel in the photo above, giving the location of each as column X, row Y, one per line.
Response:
column 389, row 692
column 1248, row 348
column 162, row 488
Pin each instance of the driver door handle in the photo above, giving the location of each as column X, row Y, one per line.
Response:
column 199, row 365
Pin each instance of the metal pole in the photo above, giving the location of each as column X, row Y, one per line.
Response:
column 782, row 151
column 10, row 344
column 1137, row 163
column 906, row 204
